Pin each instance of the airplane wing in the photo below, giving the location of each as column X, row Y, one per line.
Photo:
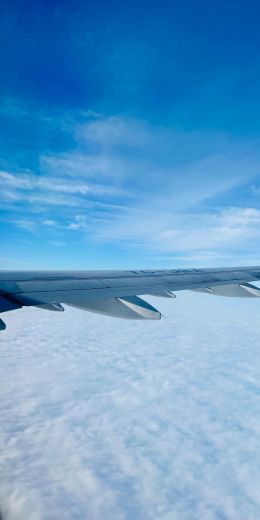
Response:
column 116, row 293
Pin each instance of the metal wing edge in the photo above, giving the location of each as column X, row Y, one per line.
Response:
column 114, row 293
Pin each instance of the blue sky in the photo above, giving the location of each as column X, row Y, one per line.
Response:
column 130, row 134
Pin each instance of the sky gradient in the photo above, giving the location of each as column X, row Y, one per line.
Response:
column 130, row 134
column 129, row 138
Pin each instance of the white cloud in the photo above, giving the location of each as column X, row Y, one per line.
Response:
column 222, row 231
column 13, row 181
column 142, row 186
column 80, row 223
column 114, row 131
column 105, row 419
column 23, row 184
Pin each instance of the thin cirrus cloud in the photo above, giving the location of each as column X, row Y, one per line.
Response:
column 22, row 183
column 229, row 228
column 134, row 184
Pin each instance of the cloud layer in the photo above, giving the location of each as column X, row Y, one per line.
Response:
column 103, row 419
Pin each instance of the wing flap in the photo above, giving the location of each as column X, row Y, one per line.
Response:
column 129, row 307
column 245, row 290
column 114, row 293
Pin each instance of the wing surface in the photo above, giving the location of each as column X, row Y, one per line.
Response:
column 116, row 293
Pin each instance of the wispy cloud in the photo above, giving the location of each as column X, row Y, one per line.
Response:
column 22, row 183
column 223, row 230
column 129, row 183
column 80, row 222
